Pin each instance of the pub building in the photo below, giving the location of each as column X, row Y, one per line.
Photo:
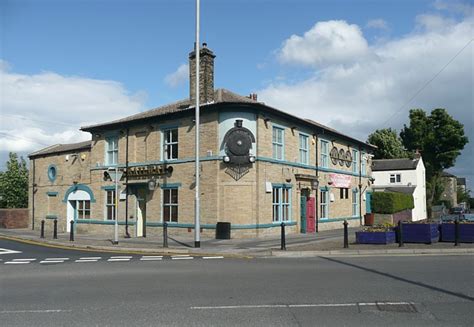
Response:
column 259, row 167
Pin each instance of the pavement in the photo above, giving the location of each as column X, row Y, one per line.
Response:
column 323, row 243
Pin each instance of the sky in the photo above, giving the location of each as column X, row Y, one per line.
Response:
column 353, row 65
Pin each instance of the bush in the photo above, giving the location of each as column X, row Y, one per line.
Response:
column 388, row 203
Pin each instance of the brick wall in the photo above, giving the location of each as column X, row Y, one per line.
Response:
column 13, row 218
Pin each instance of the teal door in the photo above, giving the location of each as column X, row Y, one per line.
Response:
column 303, row 214
column 368, row 202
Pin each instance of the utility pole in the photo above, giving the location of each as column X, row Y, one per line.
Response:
column 197, row 223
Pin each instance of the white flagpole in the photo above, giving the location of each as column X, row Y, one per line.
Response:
column 197, row 226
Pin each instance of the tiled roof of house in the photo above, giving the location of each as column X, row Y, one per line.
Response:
column 59, row 148
column 394, row 164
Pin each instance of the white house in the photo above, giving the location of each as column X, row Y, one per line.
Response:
column 404, row 176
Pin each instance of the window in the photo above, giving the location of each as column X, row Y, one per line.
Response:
column 363, row 167
column 83, row 209
column 324, row 204
column 355, row 161
column 278, row 143
column 324, row 153
column 170, row 205
column 355, row 203
column 281, row 204
column 170, row 144
column 110, row 205
column 112, row 151
column 344, row 193
column 304, row 151
column 395, row 178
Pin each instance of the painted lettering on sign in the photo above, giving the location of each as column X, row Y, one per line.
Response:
column 339, row 180
column 148, row 171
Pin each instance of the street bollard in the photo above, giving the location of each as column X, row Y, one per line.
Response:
column 165, row 234
column 456, row 232
column 71, row 235
column 346, row 235
column 55, row 229
column 400, row 234
column 283, row 239
column 42, row 229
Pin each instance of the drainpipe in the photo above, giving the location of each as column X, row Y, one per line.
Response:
column 360, row 186
column 33, row 198
column 317, row 188
column 127, row 235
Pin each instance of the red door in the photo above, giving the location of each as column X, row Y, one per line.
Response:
column 310, row 215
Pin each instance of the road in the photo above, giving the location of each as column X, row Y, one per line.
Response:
column 171, row 291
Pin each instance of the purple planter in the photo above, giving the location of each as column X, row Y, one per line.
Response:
column 375, row 237
column 420, row 233
column 466, row 233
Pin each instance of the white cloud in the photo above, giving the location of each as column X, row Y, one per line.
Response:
column 179, row 77
column 377, row 23
column 326, row 43
column 47, row 108
column 370, row 92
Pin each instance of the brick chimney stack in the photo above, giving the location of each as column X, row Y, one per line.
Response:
column 206, row 75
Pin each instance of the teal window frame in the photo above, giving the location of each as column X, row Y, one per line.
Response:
column 355, row 203
column 363, row 163
column 281, row 203
column 168, row 203
column 111, row 150
column 324, row 153
column 324, row 206
column 355, row 161
column 171, row 144
column 109, row 204
column 278, row 143
column 304, row 148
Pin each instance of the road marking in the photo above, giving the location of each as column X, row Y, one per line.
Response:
column 52, row 261
column 118, row 259
column 307, row 305
column 23, row 259
column 182, row 258
column 151, row 258
column 15, row 262
column 121, row 257
column 34, row 311
column 7, row 251
column 63, row 259
column 90, row 258
column 180, row 255
column 219, row 257
column 86, row 260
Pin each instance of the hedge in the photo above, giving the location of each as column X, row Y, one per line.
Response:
column 385, row 202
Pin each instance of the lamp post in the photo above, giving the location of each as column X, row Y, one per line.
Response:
column 115, row 175
column 197, row 226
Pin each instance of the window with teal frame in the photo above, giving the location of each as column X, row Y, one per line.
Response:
column 355, row 203
column 278, row 142
column 324, row 153
column 281, row 204
column 111, row 156
column 52, row 172
column 304, row 149
column 363, row 165
column 355, row 161
column 324, row 204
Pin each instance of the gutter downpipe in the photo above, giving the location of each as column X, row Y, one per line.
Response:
column 127, row 235
column 317, row 178
column 360, row 186
column 33, row 198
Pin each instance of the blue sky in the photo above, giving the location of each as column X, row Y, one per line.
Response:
column 348, row 64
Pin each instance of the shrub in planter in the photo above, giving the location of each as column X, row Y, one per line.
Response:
column 466, row 231
column 376, row 235
column 420, row 232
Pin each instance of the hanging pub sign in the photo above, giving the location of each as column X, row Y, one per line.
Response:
column 339, row 180
column 341, row 157
column 146, row 172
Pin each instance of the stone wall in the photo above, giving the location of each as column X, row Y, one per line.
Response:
column 14, row 218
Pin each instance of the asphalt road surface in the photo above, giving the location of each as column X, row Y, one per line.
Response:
column 90, row 289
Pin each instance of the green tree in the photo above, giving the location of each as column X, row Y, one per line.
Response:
column 14, row 183
column 389, row 145
column 463, row 195
column 440, row 139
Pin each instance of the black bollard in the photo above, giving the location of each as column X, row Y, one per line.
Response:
column 283, row 239
column 400, row 234
column 42, row 229
column 346, row 235
column 165, row 234
column 71, row 235
column 55, row 229
column 456, row 232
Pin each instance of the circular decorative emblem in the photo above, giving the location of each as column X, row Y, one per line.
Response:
column 334, row 155
column 341, row 157
column 348, row 158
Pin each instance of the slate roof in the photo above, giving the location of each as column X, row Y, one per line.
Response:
column 60, row 148
column 394, row 164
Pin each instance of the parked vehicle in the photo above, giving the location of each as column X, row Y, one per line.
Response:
column 457, row 210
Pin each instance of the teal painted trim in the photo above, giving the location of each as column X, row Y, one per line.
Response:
column 102, row 222
column 80, row 187
column 165, row 127
column 52, row 172
column 51, row 217
column 279, row 126
column 212, row 226
column 331, row 220
column 324, row 188
column 52, row 193
column 307, row 136
column 160, row 162
column 108, row 188
column 170, row 185
column 282, row 144
column 283, row 185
